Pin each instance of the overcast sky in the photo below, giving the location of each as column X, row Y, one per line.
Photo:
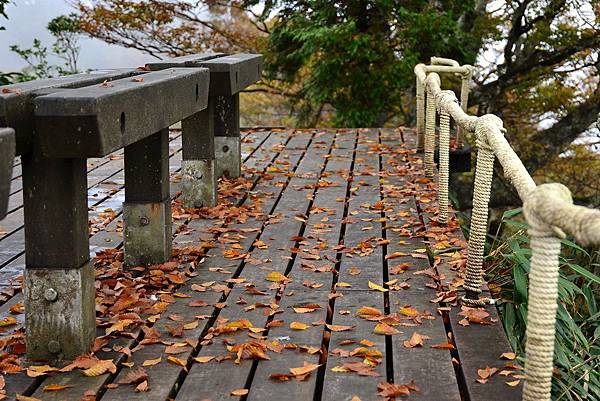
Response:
column 28, row 20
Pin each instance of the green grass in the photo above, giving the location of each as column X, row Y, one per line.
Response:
column 577, row 351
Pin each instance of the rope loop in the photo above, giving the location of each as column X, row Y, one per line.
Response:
column 443, row 100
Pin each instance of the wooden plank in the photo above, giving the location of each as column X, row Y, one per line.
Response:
column 166, row 382
column 24, row 385
column 322, row 234
column 431, row 369
column 478, row 346
column 279, row 237
column 362, row 225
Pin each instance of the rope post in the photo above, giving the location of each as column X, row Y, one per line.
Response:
column 420, row 114
column 543, row 293
column 443, row 172
column 430, row 135
column 464, row 98
column 479, row 216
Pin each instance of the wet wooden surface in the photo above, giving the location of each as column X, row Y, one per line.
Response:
column 321, row 275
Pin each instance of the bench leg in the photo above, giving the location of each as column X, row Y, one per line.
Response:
column 59, row 292
column 227, row 136
column 147, row 208
column 198, row 165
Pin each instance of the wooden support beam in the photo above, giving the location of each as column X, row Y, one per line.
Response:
column 7, row 155
column 147, row 208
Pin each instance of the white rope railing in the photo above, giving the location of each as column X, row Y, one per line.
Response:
column 548, row 208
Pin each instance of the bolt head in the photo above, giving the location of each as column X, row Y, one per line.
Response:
column 144, row 221
column 225, row 148
column 54, row 346
column 50, row 294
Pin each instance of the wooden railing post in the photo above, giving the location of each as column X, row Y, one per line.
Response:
column 58, row 287
column 199, row 178
column 7, row 155
column 147, row 207
column 59, row 291
column 227, row 135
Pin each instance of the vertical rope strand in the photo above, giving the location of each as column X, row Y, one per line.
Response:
column 443, row 173
column 541, row 316
column 479, row 216
column 430, row 135
column 464, row 103
column 420, row 114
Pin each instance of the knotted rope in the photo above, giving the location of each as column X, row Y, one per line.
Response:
column 481, row 197
column 543, row 292
column 430, row 135
column 548, row 210
column 444, row 147
column 420, row 114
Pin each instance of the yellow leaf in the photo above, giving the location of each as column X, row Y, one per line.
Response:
column 151, row 362
column 514, row 383
column 408, row 311
column 276, row 277
column 377, row 287
column 8, row 321
column 298, row 326
column 343, row 284
column 508, row 355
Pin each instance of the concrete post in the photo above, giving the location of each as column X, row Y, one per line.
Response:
column 227, row 135
column 147, row 208
column 199, row 179
column 60, row 312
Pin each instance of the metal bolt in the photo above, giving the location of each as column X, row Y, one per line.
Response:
column 51, row 295
column 144, row 221
column 225, row 148
column 54, row 347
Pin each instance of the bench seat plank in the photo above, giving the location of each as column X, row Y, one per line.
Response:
column 96, row 120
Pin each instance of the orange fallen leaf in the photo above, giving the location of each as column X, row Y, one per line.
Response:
column 307, row 368
column 240, row 392
column 336, row 327
column 367, row 311
column 56, row 387
column 298, row 326
column 385, row 329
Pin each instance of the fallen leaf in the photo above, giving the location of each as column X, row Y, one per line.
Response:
column 298, row 326
column 377, row 287
column 240, row 392
column 56, row 387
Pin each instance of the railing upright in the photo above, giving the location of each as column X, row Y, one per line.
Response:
column 548, row 209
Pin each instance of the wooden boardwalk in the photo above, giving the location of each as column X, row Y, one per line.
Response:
column 322, row 274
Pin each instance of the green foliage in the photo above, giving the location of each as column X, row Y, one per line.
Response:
column 3, row 4
column 577, row 352
column 358, row 56
column 65, row 29
column 36, row 58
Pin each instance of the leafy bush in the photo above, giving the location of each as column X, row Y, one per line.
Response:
column 577, row 347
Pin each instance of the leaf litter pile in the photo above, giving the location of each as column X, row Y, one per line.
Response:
column 262, row 285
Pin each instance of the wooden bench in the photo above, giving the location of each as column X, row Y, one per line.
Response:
column 204, row 158
column 59, row 123
column 7, row 155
